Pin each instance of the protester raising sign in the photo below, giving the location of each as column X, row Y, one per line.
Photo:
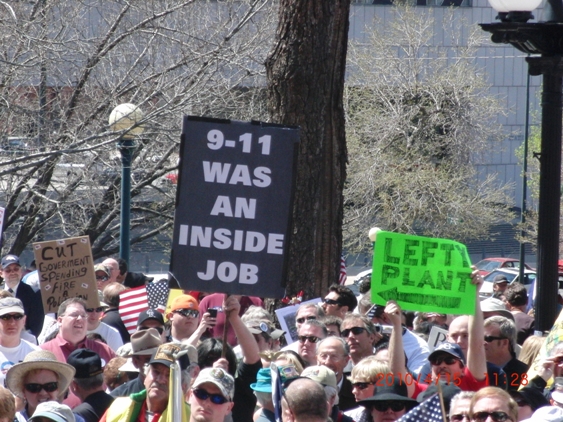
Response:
column 66, row 270
column 422, row 274
column 233, row 206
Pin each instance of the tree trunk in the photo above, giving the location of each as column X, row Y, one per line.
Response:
column 305, row 87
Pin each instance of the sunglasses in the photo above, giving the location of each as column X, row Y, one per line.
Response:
column 201, row 394
column 102, row 278
column 459, row 417
column 90, row 310
column 312, row 339
column 394, row 406
column 495, row 416
column 36, row 388
column 355, row 330
column 303, row 319
column 159, row 329
column 187, row 312
column 331, row 302
column 448, row 360
column 488, row 339
column 362, row 385
column 9, row 317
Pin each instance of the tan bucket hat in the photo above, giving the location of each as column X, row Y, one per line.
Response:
column 38, row 359
column 144, row 342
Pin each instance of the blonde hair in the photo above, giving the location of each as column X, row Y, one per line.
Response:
column 291, row 358
column 7, row 404
column 368, row 369
column 530, row 349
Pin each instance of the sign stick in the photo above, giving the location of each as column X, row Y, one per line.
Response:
column 225, row 329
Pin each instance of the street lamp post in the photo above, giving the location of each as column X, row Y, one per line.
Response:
column 125, row 117
column 545, row 41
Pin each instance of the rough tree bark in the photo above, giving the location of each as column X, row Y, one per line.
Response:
column 305, row 88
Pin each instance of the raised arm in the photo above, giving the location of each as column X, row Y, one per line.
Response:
column 476, row 359
column 396, row 350
column 246, row 340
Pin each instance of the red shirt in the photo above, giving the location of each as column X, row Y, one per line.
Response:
column 216, row 301
column 62, row 348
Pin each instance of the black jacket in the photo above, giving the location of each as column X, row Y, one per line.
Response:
column 33, row 307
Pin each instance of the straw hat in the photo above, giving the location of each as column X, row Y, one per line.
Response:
column 38, row 359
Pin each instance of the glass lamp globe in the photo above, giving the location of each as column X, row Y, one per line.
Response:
column 123, row 117
column 505, row 6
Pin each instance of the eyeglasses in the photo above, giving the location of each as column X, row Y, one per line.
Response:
column 90, row 310
column 36, row 388
column 448, row 360
column 187, row 312
column 383, row 406
column 459, row 417
column 312, row 339
column 9, row 317
column 495, row 416
column 11, row 270
column 331, row 301
column 102, row 277
column 303, row 319
column 362, row 385
column 201, row 394
column 159, row 329
column 488, row 339
column 355, row 330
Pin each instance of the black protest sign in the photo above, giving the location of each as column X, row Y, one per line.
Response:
column 66, row 270
column 234, row 206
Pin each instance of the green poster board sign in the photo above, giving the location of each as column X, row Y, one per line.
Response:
column 422, row 274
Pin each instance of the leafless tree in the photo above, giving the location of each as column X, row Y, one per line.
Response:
column 418, row 119
column 64, row 65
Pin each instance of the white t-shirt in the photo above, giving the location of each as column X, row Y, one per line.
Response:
column 110, row 335
column 9, row 356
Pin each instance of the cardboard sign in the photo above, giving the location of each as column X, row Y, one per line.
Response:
column 66, row 270
column 234, row 207
column 436, row 337
column 422, row 274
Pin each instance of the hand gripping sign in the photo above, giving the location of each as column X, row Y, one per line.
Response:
column 422, row 274
column 234, row 206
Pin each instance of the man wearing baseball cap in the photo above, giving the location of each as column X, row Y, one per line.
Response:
column 154, row 400
column 88, row 385
column 12, row 321
column 211, row 395
column 327, row 378
column 31, row 300
column 184, row 318
column 151, row 318
column 143, row 344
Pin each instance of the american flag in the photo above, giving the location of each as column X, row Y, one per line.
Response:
column 131, row 303
column 158, row 295
column 277, row 391
column 429, row 410
column 342, row 277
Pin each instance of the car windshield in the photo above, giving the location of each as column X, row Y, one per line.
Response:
column 487, row 265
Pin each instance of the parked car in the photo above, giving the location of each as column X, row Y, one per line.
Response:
column 512, row 275
column 485, row 266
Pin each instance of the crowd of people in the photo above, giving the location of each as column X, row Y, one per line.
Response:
column 215, row 358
